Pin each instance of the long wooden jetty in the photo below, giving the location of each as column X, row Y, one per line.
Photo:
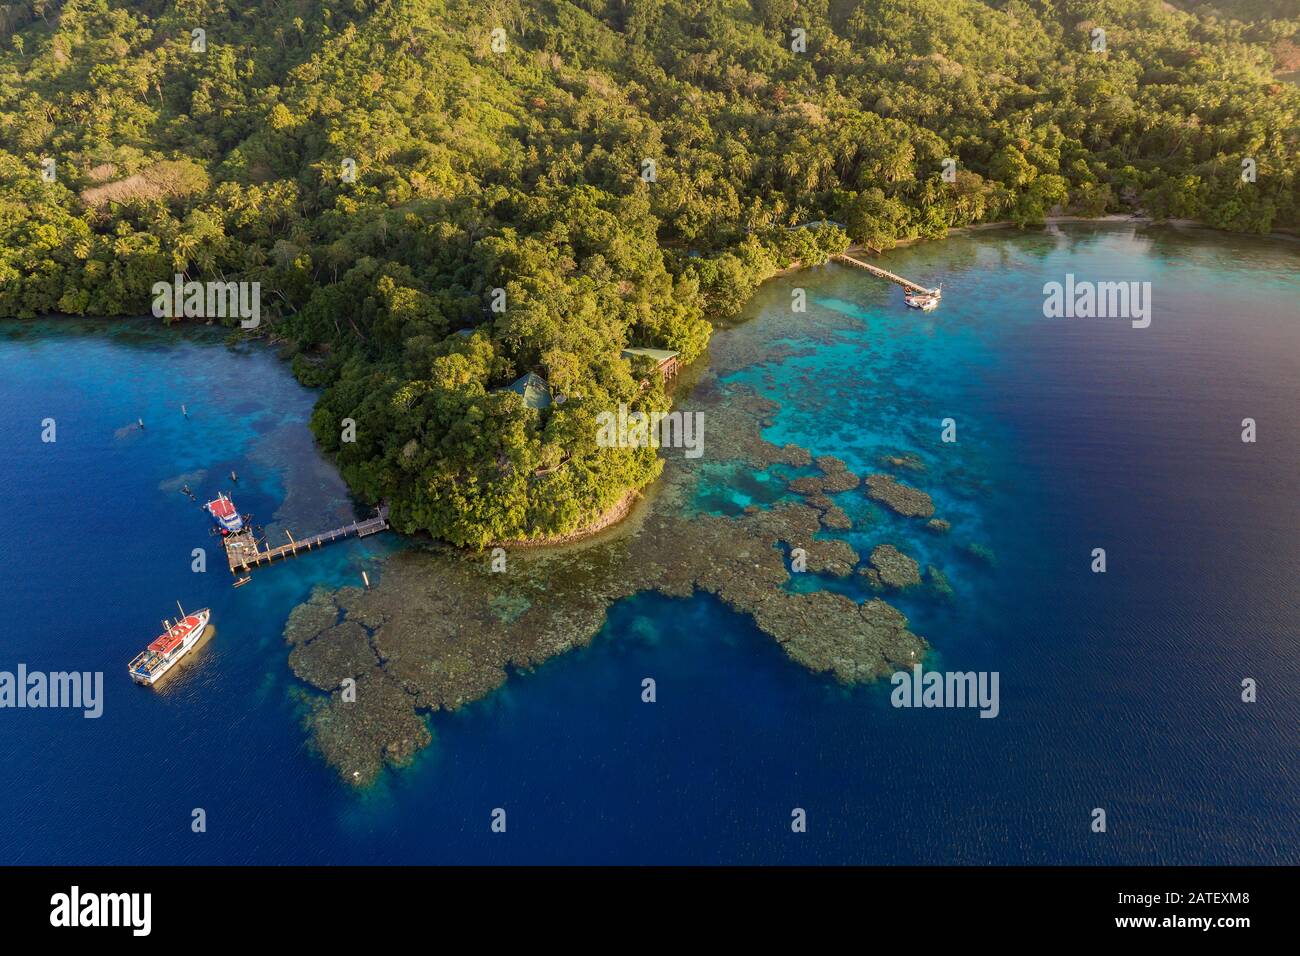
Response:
column 244, row 552
column 882, row 273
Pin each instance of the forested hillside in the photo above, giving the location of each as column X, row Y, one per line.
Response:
column 524, row 168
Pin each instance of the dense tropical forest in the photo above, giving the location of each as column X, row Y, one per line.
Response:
column 439, row 196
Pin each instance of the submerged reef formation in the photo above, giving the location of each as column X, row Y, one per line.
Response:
column 443, row 627
column 908, row 461
column 893, row 568
column 835, row 517
column 837, row 475
column 904, row 499
column 938, row 583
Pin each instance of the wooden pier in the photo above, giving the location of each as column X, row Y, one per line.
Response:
column 882, row 273
column 244, row 552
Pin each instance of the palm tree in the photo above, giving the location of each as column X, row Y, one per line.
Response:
column 183, row 247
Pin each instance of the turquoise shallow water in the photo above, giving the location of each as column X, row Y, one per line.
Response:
column 1118, row 690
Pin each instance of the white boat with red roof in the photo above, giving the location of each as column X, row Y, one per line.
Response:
column 177, row 639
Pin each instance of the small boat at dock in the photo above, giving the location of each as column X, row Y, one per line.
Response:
column 178, row 638
column 225, row 515
column 926, row 301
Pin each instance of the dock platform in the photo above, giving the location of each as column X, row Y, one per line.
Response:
column 244, row 552
column 882, row 273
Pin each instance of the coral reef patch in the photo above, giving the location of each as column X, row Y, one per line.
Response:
column 904, row 499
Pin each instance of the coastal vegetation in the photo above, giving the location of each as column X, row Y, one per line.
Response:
column 439, row 197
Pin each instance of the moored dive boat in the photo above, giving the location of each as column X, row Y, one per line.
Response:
column 224, row 514
column 925, row 301
column 177, row 640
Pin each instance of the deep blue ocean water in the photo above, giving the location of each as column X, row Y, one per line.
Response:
column 1119, row 691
